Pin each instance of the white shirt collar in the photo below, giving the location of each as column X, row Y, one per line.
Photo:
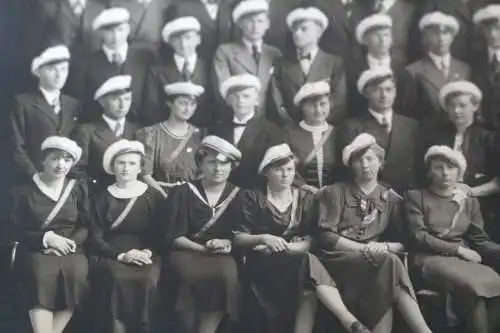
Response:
column 313, row 53
column 314, row 129
column 374, row 62
column 50, row 96
column 74, row 2
column 438, row 60
column 249, row 45
column 387, row 4
column 492, row 52
column 212, row 8
column 244, row 120
column 179, row 61
column 137, row 189
column 112, row 122
column 380, row 116
column 122, row 51
column 53, row 194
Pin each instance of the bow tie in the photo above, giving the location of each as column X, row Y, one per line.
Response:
column 238, row 124
column 212, row 2
column 305, row 57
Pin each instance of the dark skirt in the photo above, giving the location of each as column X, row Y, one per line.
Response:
column 206, row 283
column 52, row 282
column 368, row 284
column 459, row 277
column 127, row 293
column 278, row 281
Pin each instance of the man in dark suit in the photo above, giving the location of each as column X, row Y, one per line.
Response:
column 397, row 134
column 252, row 135
column 115, row 57
column 339, row 38
column 306, row 63
column 215, row 19
column 436, row 68
column 278, row 34
column 46, row 112
column 115, row 96
column 486, row 65
column 249, row 54
column 469, row 40
column 375, row 33
column 182, row 64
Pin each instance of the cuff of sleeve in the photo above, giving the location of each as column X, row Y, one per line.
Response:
column 46, row 237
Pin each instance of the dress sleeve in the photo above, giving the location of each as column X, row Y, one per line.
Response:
column 249, row 213
column 98, row 245
column 28, row 237
column 329, row 212
column 476, row 236
column 419, row 232
column 146, row 136
column 81, row 231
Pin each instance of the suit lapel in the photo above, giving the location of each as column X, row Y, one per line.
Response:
column 339, row 16
column 456, row 71
column 205, row 17
column 245, row 58
column 317, row 69
column 67, row 12
column 248, row 137
column 294, row 70
column 104, row 133
column 397, row 139
column 266, row 63
column 46, row 109
column 432, row 74
column 129, row 131
column 66, row 114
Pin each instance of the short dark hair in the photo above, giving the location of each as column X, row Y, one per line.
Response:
column 377, row 150
column 203, row 152
column 379, row 80
column 280, row 162
column 124, row 152
column 49, row 151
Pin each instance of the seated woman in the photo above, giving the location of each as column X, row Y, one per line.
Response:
column 359, row 241
column 276, row 230
column 50, row 215
column 313, row 140
column 450, row 243
column 125, row 238
column 461, row 100
column 170, row 145
column 201, row 215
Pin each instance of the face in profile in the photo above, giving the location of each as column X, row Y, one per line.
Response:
column 115, row 36
column 183, row 107
column 443, row 173
column 461, row 109
column 243, row 101
column 281, row 176
column 54, row 76
column 57, row 163
column 117, row 106
column 366, row 166
column 185, row 43
column 126, row 167
column 306, row 33
column 316, row 110
column 215, row 167
column 254, row 27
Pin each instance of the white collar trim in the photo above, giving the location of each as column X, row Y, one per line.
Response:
column 314, row 129
column 136, row 190
column 53, row 194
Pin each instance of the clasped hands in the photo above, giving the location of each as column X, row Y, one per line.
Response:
column 58, row 245
column 219, row 246
column 377, row 247
column 136, row 257
column 275, row 244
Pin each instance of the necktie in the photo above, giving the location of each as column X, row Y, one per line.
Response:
column 56, row 105
column 118, row 129
column 239, row 124
column 78, row 7
column 495, row 69
column 212, row 2
column 444, row 68
column 307, row 57
column 384, row 122
column 186, row 73
column 256, row 54
column 117, row 59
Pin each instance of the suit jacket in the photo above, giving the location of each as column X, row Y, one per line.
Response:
column 163, row 72
column 469, row 39
column 146, row 21
column 235, row 58
column 32, row 120
column 84, row 82
column 213, row 32
column 289, row 77
column 406, row 93
column 94, row 138
column 259, row 135
column 429, row 80
column 403, row 147
column 339, row 37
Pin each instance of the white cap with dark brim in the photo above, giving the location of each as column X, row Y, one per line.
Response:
column 371, row 22
column 247, row 7
column 53, row 54
column 119, row 148
column 64, row 144
column 241, row 81
column 311, row 89
column 114, row 84
column 465, row 87
column 307, row 14
column 110, row 17
column 179, row 25
column 274, row 154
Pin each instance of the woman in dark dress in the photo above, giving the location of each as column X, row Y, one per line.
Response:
column 201, row 217
column 359, row 242
column 50, row 215
column 313, row 140
column 125, row 238
column 170, row 145
column 276, row 233
column 450, row 244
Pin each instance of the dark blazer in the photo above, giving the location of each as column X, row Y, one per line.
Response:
column 339, row 38
column 94, row 138
column 32, row 120
column 289, row 77
column 259, row 135
column 406, row 93
column 213, row 32
column 403, row 147
column 429, row 80
column 85, row 81
column 235, row 58
column 469, row 39
column 163, row 72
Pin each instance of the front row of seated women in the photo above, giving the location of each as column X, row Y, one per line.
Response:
column 341, row 245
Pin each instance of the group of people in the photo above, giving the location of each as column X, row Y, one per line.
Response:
column 255, row 169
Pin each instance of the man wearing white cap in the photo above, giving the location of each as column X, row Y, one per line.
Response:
column 184, row 63
column 397, row 134
column 115, row 98
column 249, row 54
column 375, row 32
column 251, row 134
column 115, row 57
column 438, row 67
column 215, row 19
column 306, row 63
column 486, row 65
column 43, row 113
